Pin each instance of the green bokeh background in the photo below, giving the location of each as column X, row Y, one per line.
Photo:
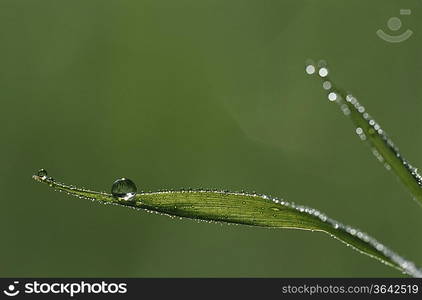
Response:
column 201, row 93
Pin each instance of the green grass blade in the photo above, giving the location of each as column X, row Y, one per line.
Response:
column 371, row 132
column 247, row 209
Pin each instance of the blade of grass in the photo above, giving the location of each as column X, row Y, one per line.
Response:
column 246, row 209
column 370, row 131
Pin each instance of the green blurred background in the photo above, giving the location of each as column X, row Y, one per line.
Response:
column 201, row 93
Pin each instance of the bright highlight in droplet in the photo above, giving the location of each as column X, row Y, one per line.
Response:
column 332, row 96
column 310, row 69
column 323, row 72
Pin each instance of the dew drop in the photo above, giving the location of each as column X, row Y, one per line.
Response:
column 42, row 173
column 345, row 109
column 360, row 133
column 326, row 85
column 332, row 96
column 323, row 72
column 124, row 188
column 349, row 98
column 377, row 155
column 310, row 69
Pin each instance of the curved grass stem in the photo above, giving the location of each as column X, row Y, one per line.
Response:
column 370, row 131
column 246, row 209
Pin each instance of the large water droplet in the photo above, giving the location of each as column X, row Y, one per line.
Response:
column 124, row 188
column 42, row 173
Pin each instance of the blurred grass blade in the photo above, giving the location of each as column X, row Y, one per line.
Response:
column 370, row 131
column 248, row 209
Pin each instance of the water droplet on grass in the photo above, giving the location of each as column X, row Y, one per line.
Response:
column 124, row 188
column 323, row 72
column 42, row 173
column 310, row 69
column 360, row 133
column 345, row 109
column 349, row 98
column 326, row 85
column 377, row 155
column 332, row 96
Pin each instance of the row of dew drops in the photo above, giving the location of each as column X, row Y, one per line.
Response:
column 374, row 128
column 352, row 103
column 334, row 96
column 126, row 189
